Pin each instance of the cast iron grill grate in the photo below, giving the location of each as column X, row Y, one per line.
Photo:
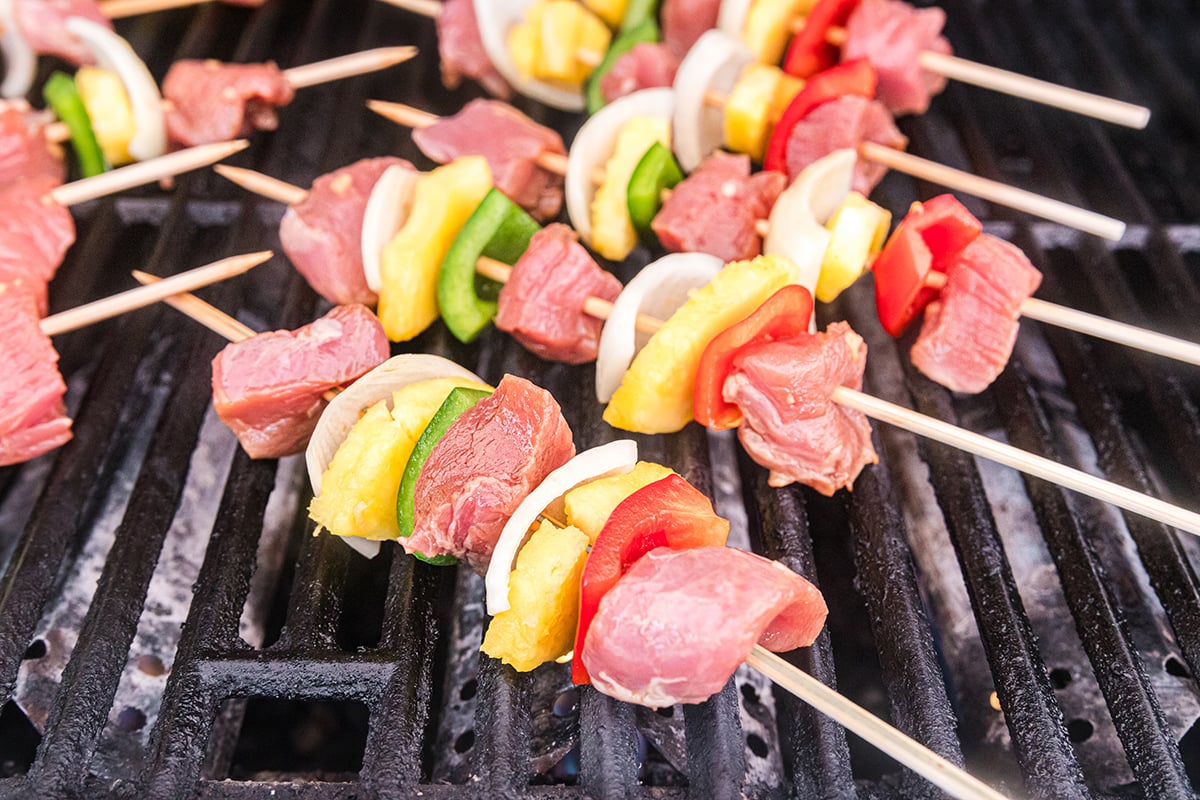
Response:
column 304, row 671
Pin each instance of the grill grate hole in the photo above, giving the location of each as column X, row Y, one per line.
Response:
column 321, row 741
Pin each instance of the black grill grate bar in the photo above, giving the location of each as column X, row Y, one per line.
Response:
column 1170, row 571
column 1032, row 714
column 607, row 745
column 92, row 674
column 886, row 577
column 813, row 746
column 1149, row 743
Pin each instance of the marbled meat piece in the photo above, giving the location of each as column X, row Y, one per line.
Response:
column 684, row 21
column 510, row 141
column 24, row 151
column 33, row 419
column 891, row 34
column 460, row 49
column 268, row 388
column 716, row 209
column 646, row 65
column 846, row 122
column 489, row 460
column 43, row 24
column 679, row 622
column 790, row 424
column 35, row 233
column 322, row 234
column 210, row 101
column 970, row 330
column 541, row 305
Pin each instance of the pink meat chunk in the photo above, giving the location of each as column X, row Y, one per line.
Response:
column 43, row 24
column 214, row 102
column 684, row 21
column 268, row 389
column 322, row 234
column 790, row 424
column 646, row 65
column 679, row 622
column 489, row 460
column 510, row 141
column 892, row 34
column 32, row 416
column 846, row 122
column 970, row 330
column 24, row 151
column 542, row 303
column 716, row 209
column 460, row 48
column 35, row 233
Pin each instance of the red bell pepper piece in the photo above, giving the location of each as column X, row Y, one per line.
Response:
column 667, row 513
column 809, row 52
column 928, row 239
column 785, row 313
column 855, row 77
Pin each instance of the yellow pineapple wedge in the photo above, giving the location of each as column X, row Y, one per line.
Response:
column 589, row 506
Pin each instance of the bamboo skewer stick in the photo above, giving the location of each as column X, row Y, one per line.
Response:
column 948, row 66
column 1040, row 310
column 119, row 9
column 304, row 76
column 922, row 425
column 917, row 167
column 890, row 740
column 144, row 172
column 142, row 296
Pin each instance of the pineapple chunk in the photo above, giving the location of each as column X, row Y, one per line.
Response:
column 543, row 590
column 611, row 11
column 857, row 231
column 655, row 396
column 767, row 27
column 613, row 235
column 589, row 506
column 757, row 101
column 109, row 110
column 358, row 489
column 548, row 45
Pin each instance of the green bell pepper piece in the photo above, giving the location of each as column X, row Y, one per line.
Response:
column 499, row 229
column 658, row 170
column 62, row 96
column 458, row 401
column 638, row 12
column 646, row 31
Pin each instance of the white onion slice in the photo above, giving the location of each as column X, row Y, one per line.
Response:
column 379, row 384
column 367, row 548
column 658, row 290
column 608, row 459
column 731, row 17
column 385, row 214
column 114, row 53
column 495, row 18
column 20, row 61
column 594, row 145
column 797, row 223
column 712, row 66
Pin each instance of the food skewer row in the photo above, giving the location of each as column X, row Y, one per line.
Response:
column 887, row 738
column 34, row 418
column 906, row 163
column 638, row 25
column 954, row 436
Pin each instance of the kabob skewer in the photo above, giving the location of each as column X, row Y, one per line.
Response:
column 906, row 163
column 945, row 65
column 875, row 408
column 887, row 738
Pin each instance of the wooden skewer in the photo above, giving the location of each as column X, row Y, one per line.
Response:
column 890, row 740
column 922, row 425
column 147, row 295
column 994, row 191
column 952, row 67
column 304, row 76
column 119, row 9
column 145, row 172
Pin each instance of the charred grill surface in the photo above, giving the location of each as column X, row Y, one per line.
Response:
column 956, row 589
